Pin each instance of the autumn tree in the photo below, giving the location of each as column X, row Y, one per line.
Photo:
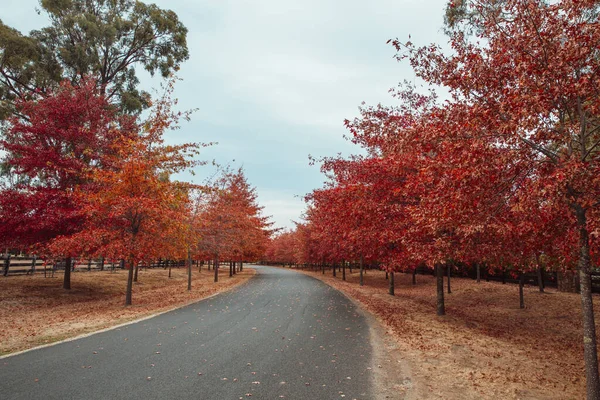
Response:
column 281, row 248
column 48, row 156
column 135, row 212
column 252, row 227
column 528, row 73
column 232, row 225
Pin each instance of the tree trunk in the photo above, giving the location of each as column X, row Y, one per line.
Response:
column 216, row 268
column 362, row 268
column 441, row 309
column 448, row 272
column 241, row 265
column 334, row 267
column 587, row 307
column 129, row 284
column 102, row 264
column 230, row 269
column 478, row 273
column 189, row 265
column 344, row 270
column 386, row 276
column 67, row 278
column 540, row 273
column 521, row 298
column 391, row 290
column 135, row 274
column 170, row 264
column 414, row 276
column 6, row 263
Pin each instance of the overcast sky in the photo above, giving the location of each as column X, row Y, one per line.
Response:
column 274, row 80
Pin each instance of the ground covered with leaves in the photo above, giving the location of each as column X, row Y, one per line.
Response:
column 486, row 347
column 35, row 310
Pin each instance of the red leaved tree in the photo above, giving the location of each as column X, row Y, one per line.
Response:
column 49, row 153
column 528, row 74
column 135, row 212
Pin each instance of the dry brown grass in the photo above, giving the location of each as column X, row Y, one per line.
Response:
column 485, row 347
column 35, row 310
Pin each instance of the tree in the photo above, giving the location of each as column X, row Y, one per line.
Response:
column 48, row 155
column 231, row 225
column 25, row 68
column 135, row 212
column 528, row 73
column 281, row 249
column 104, row 39
column 252, row 229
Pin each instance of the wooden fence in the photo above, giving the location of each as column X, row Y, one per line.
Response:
column 26, row 265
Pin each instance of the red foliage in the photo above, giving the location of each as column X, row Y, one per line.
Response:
column 506, row 172
column 49, row 153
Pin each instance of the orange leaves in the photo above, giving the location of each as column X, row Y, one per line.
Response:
column 131, row 208
column 230, row 224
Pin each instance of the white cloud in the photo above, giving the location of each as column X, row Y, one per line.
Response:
column 274, row 79
column 282, row 206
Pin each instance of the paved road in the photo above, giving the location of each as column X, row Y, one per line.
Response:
column 281, row 335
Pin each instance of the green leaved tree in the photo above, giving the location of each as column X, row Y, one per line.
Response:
column 104, row 39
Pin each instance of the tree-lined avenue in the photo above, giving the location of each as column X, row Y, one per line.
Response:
column 281, row 335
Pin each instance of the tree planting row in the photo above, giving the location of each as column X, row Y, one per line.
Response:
column 501, row 166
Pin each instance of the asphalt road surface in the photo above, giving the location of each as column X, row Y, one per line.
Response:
column 282, row 335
